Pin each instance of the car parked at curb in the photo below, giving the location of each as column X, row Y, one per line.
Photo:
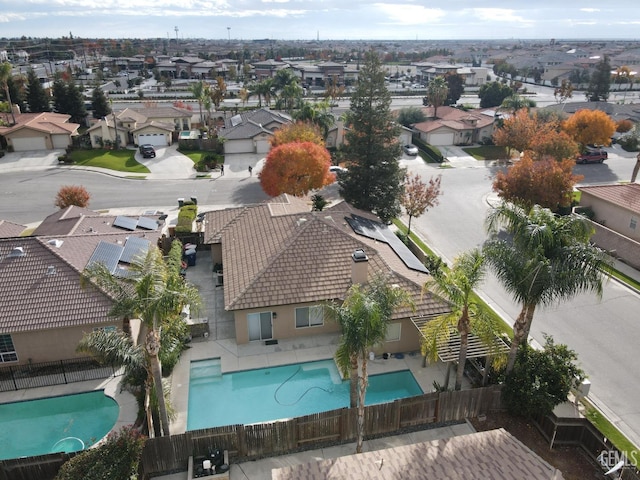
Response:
column 592, row 156
column 410, row 149
column 147, row 151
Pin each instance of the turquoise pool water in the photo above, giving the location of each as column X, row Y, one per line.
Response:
column 56, row 424
column 273, row 393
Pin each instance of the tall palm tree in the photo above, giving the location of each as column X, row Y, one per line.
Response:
column 199, row 91
column 154, row 292
column 545, row 259
column 317, row 113
column 5, row 75
column 437, row 92
column 514, row 103
column 264, row 90
column 456, row 286
column 363, row 317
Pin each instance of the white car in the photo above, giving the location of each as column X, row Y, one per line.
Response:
column 337, row 169
column 410, row 150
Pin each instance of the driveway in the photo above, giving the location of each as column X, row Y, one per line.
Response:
column 169, row 164
column 32, row 160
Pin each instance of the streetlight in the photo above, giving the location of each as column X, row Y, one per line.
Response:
column 229, row 33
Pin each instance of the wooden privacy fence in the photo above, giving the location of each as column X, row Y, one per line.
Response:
column 580, row 432
column 169, row 454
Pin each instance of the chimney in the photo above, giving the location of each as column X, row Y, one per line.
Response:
column 359, row 266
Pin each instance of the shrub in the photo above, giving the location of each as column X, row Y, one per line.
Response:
column 187, row 214
column 541, row 379
column 116, row 458
column 72, row 195
column 624, row 125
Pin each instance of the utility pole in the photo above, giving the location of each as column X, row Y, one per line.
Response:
column 176, row 29
column 229, row 34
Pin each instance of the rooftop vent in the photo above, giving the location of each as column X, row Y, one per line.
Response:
column 300, row 221
column 55, row 242
column 51, row 270
column 16, row 252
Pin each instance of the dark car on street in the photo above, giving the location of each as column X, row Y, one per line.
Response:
column 147, row 151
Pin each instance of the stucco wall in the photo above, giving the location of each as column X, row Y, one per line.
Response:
column 614, row 217
column 621, row 247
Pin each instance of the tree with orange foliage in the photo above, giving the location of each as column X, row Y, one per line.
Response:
column 550, row 143
column 517, row 131
column 547, row 183
column 297, row 132
column 296, row 168
column 419, row 196
column 590, row 127
column 72, row 195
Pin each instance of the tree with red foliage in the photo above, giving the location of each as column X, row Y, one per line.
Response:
column 418, row 196
column 555, row 144
column 517, row 131
column 547, row 182
column 296, row 168
column 72, row 195
column 182, row 105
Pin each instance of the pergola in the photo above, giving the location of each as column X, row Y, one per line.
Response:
column 448, row 346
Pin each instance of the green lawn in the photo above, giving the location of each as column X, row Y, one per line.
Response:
column 194, row 155
column 120, row 160
column 487, row 152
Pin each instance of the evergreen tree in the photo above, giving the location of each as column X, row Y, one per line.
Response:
column 374, row 180
column 37, row 98
column 68, row 99
column 16, row 90
column 100, row 104
column 598, row 89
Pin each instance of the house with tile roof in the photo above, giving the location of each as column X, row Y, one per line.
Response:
column 616, row 210
column 455, row 127
column 10, row 229
column 158, row 126
column 46, row 310
column 281, row 263
column 250, row 132
column 37, row 131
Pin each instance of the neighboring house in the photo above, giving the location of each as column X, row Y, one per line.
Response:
column 454, row 126
column 157, row 126
column 325, row 73
column 282, row 263
column 616, row 210
column 45, row 310
column 249, row 132
column 38, row 131
column 10, row 229
column 616, row 111
column 494, row 454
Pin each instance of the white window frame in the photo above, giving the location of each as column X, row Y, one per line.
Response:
column 7, row 349
column 314, row 316
column 394, row 332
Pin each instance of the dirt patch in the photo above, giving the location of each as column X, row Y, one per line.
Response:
column 571, row 461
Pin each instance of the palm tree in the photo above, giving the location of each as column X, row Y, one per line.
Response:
column 218, row 92
column 456, row 286
column 5, row 75
column 199, row 90
column 364, row 317
column 546, row 259
column 317, row 113
column 264, row 90
column 437, row 92
column 154, row 292
column 514, row 103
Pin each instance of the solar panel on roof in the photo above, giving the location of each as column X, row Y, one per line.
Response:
column 134, row 247
column 147, row 223
column 379, row 231
column 127, row 223
column 108, row 254
column 236, row 120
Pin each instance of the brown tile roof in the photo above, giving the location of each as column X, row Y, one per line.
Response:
column 281, row 259
column 623, row 195
column 62, row 221
column 454, row 119
column 47, row 122
column 10, row 229
column 491, row 455
column 39, row 290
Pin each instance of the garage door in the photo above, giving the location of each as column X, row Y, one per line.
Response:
column 155, row 139
column 60, row 141
column 441, row 139
column 30, row 143
column 263, row 146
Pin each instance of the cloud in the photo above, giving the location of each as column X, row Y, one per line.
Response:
column 408, row 14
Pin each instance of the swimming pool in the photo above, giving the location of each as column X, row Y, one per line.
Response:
column 266, row 394
column 56, row 424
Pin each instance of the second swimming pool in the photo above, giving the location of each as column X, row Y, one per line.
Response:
column 266, row 394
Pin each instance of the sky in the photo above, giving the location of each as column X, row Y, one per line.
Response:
column 322, row 19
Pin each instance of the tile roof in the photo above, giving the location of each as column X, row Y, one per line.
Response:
column 47, row 122
column 491, row 455
column 286, row 258
column 62, row 221
column 624, row 195
column 39, row 290
column 252, row 123
column 455, row 119
column 10, row 229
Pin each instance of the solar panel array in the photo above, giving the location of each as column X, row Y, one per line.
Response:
column 380, row 232
column 112, row 255
column 129, row 223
